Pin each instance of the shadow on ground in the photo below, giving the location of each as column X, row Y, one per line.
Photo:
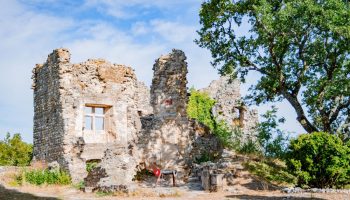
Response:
column 10, row 194
column 257, row 184
column 167, row 183
column 269, row 198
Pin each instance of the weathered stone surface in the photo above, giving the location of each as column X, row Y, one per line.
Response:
column 139, row 126
column 204, row 143
column 165, row 136
column 62, row 91
column 216, row 182
column 48, row 119
column 115, row 171
column 229, row 106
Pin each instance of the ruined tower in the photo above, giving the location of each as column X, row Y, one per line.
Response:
column 165, row 137
column 82, row 109
column 168, row 90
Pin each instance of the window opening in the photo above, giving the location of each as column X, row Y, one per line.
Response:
column 94, row 118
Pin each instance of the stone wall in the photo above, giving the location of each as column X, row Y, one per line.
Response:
column 48, row 119
column 62, row 91
column 115, row 171
column 166, row 136
column 140, row 126
column 229, row 106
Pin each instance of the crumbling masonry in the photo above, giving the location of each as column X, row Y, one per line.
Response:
column 96, row 111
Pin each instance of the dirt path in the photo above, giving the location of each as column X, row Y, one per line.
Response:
column 70, row 194
column 244, row 187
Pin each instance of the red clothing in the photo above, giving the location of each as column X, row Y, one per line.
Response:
column 156, row 172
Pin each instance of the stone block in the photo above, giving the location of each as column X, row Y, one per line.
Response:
column 205, row 178
column 216, row 182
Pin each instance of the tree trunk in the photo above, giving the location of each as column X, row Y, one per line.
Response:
column 305, row 123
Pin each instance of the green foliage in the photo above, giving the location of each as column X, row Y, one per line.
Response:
column 199, row 108
column 319, row 160
column 15, row 152
column 273, row 171
column 142, row 174
column 249, row 147
column 272, row 140
column 39, row 177
column 80, row 185
column 103, row 194
column 207, row 156
column 300, row 49
column 91, row 165
column 229, row 138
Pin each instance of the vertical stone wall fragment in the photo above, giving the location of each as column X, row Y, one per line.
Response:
column 229, row 106
column 165, row 138
column 48, row 118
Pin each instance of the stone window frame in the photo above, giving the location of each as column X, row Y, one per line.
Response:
column 93, row 116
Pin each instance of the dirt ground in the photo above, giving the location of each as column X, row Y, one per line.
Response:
column 245, row 187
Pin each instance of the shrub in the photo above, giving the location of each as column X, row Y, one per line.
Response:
column 91, row 164
column 319, row 160
column 39, row 177
column 200, row 108
column 250, row 147
column 15, row 152
column 80, row 185
column 207, row 156
column 228, row 137
column 142, row 174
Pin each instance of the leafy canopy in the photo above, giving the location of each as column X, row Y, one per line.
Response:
column 199, row 108
column 319, row 160
column 299, row 48
column 271, row 138
column 15, row 152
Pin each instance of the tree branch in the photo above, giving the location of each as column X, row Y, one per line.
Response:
column 300, row 112
column 301, row 76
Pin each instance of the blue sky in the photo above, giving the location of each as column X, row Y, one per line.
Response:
column 132, row 32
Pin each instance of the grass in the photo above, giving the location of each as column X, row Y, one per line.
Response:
column 176, row 193
column 79, row 186
column 103, row 194
column 271, row 170
column 40, row 177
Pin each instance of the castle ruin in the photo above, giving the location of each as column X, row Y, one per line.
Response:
column 99, row 111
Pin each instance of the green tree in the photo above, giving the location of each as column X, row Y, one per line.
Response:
column 270, row 137
column 300, row 48
column 319, row 160
column 15, row 152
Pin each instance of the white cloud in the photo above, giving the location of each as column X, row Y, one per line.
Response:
column 125, row 9
column 28, row 36
column 173, row 32
column 140, row 28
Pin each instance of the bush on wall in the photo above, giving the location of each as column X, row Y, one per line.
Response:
column 200, row 108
